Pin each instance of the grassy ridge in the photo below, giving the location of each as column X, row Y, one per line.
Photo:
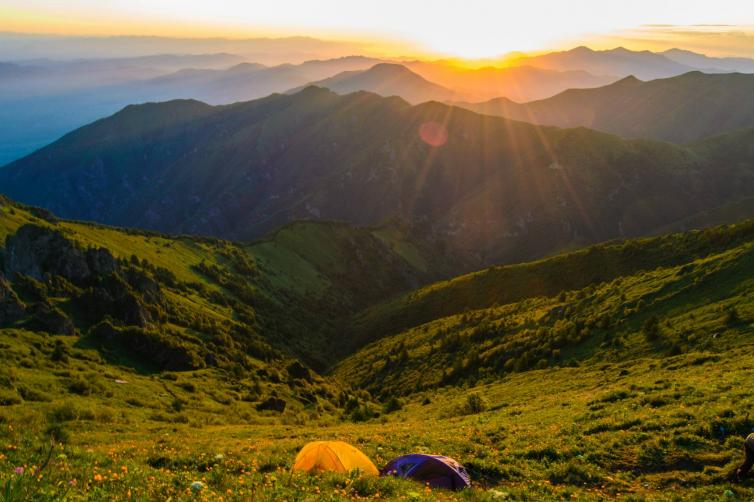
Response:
column 573, row 271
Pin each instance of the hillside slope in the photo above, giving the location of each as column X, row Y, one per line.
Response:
column 215, row 302
column 681, row 109
column 490, row 190
column 649, row 298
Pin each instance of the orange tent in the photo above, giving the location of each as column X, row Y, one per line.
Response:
column 333, row 456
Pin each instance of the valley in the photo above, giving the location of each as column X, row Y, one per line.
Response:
column 405, row 251
column 560, row 353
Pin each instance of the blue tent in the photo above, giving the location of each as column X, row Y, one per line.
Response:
column 434, row 470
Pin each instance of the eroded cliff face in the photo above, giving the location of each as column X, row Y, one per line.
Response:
column 35, row 251
column 41, row 263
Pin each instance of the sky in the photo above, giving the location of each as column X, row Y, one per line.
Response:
column 463, row 28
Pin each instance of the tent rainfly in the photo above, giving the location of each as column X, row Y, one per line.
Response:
column 333, row 456
column 433, row 470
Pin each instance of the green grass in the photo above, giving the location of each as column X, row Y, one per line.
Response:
column 644, row 429
column 617, row 372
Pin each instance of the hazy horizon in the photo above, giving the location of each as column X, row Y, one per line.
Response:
column 479, row 30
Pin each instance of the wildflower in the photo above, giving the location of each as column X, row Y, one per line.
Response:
column 124, row 469
column 98, row 478
column 197, row 486
column 73, row 482
column 19, row 471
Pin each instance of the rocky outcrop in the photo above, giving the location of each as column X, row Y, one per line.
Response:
column 12, row 309
column 35, row 250
column 163, row 350
column 49, row 319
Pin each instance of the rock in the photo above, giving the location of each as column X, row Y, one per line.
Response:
column 163, row 350
column 298, row 370
column 272, row 404
column 129, row 309
column 144, row 284
column 44, row 317
column 112, row 296
column 35, row 251
column 12, row 309
column 101, row 261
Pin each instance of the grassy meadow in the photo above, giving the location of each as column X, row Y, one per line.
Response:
column 645, row 429
column 618, row 372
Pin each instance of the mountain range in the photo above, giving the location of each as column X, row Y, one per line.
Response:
column 617, row 62
column 680, row 109
column 489, row 189
column 388, row 80
column 41, row 99
column 519, row 83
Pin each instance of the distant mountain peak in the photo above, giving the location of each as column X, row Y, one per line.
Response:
column 391, row 68
column 629, row 80
column 242, row 67
column 582, row 49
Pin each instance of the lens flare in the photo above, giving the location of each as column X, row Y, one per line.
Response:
column 433, row 133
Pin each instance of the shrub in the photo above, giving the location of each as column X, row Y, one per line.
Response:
column 60, row 352
column 614, row 396
column 393, row 404
column 546, row 453
column 731, row 317
column 8, row 377
column 573, row 473
column 651, row 457
column 651, row 329
column 57, row 433
column 80, row 386
column 9, row 398
column 474, row 404
column 63, row 412
column 187, row 386
column 30, row 394
column 178, row 404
